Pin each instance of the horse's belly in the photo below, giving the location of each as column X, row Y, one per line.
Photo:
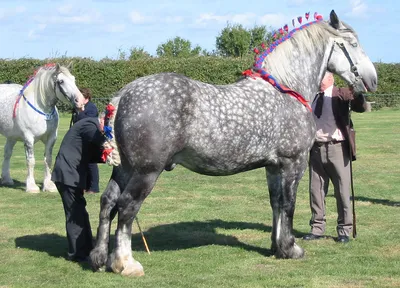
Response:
column 222, row 162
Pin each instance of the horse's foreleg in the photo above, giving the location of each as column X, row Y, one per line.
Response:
column 121, row 260
column 98, row 256
column 49, row 185
column 31, row 186
column 5, row 173
column 282, row 184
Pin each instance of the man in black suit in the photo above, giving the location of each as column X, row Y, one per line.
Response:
column 81, row 145
column 90, row 110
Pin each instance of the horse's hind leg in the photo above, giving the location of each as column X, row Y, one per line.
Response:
column 49, row 185
column 121, row 260
column 108, row 209
column 282, row 184
column 5, row 173
column 31, row 186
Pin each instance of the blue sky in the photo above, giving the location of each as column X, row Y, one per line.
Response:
column 100, row 28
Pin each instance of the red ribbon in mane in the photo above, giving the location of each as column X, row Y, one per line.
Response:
column 282, row 88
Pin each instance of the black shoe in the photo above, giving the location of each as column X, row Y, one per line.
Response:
column 312, row 237
column 343, row 239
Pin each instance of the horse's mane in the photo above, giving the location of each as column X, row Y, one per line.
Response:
column 306, row 39
column 42, row 77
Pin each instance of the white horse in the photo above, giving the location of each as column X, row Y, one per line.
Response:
column 29, row 114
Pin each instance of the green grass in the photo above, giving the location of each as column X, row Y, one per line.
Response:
column 215, row 231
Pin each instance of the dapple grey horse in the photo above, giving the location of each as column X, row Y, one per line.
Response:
column 29, row 114
column 167, row 119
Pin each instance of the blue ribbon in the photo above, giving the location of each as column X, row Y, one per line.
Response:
column 107, row 132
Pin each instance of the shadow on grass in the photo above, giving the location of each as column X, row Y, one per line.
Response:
column 374, row 201
column 53, row 244
column 17, row 185
column 185, row 235
column 378, row 201
column 168, row 237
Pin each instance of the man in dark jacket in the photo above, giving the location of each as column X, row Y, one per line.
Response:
column 90, row 110
column 331, row 155
column 81, row 145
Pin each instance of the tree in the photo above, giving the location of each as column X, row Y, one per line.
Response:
column 178, row 47
column 236, row 41
column 138, row 53
column 233, row 41
column 259, row 35
column 135, row 53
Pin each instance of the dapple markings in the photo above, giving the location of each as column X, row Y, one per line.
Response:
column 167, row 119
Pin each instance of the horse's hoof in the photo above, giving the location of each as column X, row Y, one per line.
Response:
column 33, row 189
column 49, row 186
column 295, row 252
column 98, row 258
column 7, row 182
column 124, row 265
column 134, row 269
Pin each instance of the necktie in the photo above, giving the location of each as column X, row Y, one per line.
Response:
column 319, row 104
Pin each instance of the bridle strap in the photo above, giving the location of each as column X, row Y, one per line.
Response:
column 57, row 84
column 346, row 53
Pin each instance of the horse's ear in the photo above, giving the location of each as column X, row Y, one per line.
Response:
column 57, row 67
column 334, row 20
column 70, row 66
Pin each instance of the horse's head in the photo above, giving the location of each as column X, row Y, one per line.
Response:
column 65, row 88
column 348, row 60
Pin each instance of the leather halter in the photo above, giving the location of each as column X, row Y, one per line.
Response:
column 48, row 116
column 353, row 67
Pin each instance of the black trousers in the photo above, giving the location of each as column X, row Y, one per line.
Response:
column 92, row 180
column 77, row 224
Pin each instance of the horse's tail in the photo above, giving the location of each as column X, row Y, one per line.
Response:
column 111, row 154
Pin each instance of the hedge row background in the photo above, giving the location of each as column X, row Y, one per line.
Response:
column 106, row 77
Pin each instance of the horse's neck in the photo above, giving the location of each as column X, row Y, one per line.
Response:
column 41, row 94
column 303, row 73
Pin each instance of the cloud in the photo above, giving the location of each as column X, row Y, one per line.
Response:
column 36, row 33
column 65, row 9
column 210, row 18
column 358, row 8
column 137, row 18
column 115, row 28
column 66, row 16
column 20, row 9
column 273, row 20
column 11, row 12
column 298, row 3
column 173, row 19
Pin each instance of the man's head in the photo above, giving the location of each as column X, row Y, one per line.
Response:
column 327, row 81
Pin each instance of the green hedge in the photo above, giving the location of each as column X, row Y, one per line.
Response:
column 107, row 76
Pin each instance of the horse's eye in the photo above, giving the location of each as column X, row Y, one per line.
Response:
column 355, row 44
column 60, row 81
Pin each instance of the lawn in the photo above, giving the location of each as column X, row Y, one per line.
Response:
column 215, row 231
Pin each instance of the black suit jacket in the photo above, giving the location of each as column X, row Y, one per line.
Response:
column 81, row 145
